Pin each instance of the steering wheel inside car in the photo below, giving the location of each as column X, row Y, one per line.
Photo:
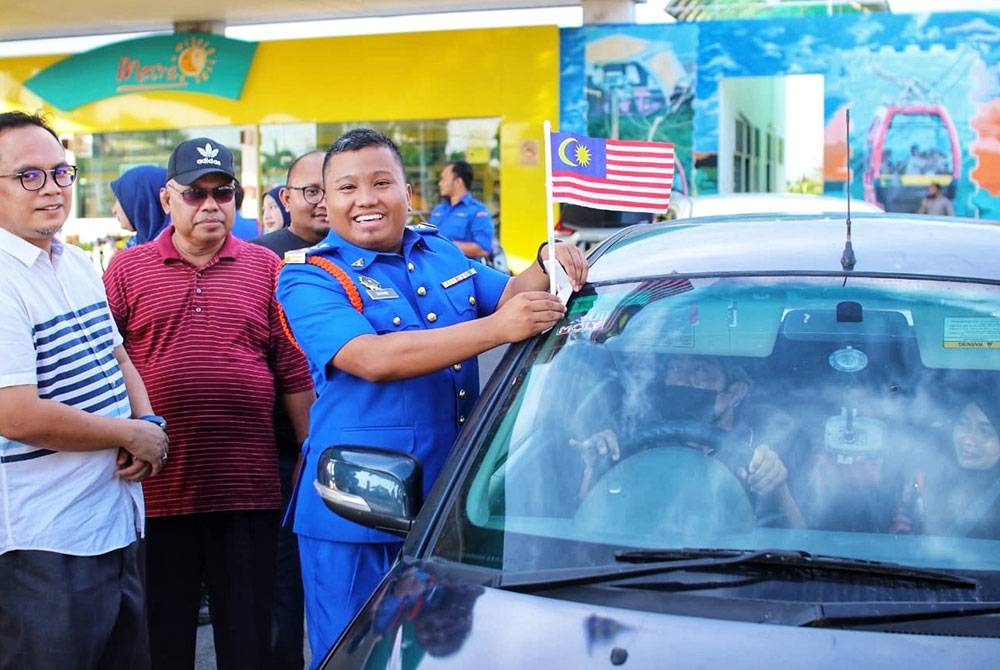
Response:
column 670, row 485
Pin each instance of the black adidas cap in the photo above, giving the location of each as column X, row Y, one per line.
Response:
column 196, row 158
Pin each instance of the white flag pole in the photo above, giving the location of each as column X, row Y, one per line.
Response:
column 550, row 205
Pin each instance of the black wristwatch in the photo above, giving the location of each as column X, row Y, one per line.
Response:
column 152, row 418
column 538, row 255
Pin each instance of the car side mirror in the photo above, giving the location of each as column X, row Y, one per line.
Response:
column 373, row 487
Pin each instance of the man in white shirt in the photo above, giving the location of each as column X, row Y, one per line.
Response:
column 936, row 203
column 77, row 433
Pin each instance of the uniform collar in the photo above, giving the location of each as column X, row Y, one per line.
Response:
column 165, row 246
column 358, row 258
column 24, row 251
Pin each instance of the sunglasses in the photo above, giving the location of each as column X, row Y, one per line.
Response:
column 196, row 196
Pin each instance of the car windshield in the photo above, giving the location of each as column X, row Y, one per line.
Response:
column 853, row 417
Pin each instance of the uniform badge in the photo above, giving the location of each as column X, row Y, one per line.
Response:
column 360, row 263
column 295, row 256
column 448, row 283
column 375, row 290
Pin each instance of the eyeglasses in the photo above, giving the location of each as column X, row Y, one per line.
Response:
column 33, row 179
column 197, row 196
column 311, row 194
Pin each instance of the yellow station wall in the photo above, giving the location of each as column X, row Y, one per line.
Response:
column 510, row 73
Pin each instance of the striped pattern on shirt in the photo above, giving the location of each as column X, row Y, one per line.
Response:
column 76, row 361
column 211, row 351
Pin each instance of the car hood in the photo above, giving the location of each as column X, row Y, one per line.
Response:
column 419, row 620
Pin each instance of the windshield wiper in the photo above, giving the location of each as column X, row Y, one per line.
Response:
column 660, row 561
column 845, row 615
column 789, row 559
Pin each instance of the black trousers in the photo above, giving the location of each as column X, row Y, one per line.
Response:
column 288, row 630
column 61, row 611
column 234, row 553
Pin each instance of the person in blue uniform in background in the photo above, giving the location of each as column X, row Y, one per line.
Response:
column 243, row 227
column 391, row 320
column 460, row 217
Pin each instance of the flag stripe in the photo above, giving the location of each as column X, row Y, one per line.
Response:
column 611, row 196
column 608, row 193
column 662, row 175
column 650, row 204
column 582, row 186
column 639, row 144
column 667, row 156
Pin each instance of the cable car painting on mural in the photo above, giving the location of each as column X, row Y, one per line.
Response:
column 911, row 143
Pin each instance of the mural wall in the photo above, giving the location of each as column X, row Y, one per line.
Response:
column 923, row 93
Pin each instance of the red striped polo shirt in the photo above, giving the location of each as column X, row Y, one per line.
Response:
column 211, row 351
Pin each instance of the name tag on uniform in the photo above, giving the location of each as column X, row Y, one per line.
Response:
column 375, row 290
column 448, row 283
column 382, row 293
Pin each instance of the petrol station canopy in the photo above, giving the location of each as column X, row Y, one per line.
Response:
column 42, row 20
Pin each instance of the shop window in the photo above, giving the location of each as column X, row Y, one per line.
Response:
column 427, row 146
column 269, row 149
column 103, row 157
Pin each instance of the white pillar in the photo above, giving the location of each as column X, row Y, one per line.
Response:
column 609, row 11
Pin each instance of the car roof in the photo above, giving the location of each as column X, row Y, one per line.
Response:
column 895, row 244
column 787, row 203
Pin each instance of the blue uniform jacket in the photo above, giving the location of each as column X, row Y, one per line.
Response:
column 467, row 221
column 429, row 285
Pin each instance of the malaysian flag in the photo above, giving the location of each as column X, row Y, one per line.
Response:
column 619, row 175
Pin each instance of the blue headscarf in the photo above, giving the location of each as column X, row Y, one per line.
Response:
column 285, row 216
column 138, row 191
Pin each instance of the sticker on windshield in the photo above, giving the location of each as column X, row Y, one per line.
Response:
column 678, row 327
column 583, row 324
column 971, row 332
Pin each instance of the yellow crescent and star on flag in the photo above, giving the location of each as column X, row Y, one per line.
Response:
column 581, row 155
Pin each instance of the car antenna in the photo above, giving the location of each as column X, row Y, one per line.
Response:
column 847, row 259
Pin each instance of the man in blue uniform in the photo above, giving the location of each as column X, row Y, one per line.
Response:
column 391, row 320
column 460, row 217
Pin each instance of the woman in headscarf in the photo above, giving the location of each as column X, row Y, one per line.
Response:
column 959, row 493
column 273, row 214
column 137, row 202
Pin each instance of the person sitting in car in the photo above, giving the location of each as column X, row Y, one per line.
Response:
column 959, row 495
column 709, row 391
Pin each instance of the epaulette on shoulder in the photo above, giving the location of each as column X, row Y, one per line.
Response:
column 300, row 256
column 295, row 257
column 423, row 227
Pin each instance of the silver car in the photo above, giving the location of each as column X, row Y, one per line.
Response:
column 751, row 443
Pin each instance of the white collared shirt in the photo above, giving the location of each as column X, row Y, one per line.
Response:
column 57, row 333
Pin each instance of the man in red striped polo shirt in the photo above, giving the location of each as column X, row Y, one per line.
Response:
column 199, row 318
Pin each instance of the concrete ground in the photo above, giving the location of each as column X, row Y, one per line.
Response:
column 205, row 655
